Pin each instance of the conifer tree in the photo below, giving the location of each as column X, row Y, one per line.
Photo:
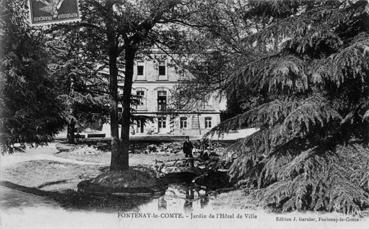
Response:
column 30, row 109
column 81, row 87
column 305, row 68
column 311, row 150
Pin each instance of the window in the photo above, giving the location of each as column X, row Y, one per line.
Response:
column 162, row 122
column 141, row 70
column 183, row 122
column 207, row 122
column 162, row 100
column 140, row 126
column 141, row 95
column 162, row 70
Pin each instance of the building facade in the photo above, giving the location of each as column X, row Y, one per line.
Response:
column 155, row 78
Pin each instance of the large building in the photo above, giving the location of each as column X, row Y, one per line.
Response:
column 155, row 78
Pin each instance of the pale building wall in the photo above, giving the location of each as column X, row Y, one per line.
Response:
column 150, row 82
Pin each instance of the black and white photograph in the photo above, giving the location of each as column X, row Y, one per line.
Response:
column 184, row 114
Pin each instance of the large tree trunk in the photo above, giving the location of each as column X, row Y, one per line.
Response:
column 126, row 103
column 117, row 159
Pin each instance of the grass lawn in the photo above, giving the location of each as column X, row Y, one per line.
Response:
column 50, row 175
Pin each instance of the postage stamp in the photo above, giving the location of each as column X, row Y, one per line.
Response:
column 45, row 12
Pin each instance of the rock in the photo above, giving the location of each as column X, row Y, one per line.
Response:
column 61, row 147
column 83, row 186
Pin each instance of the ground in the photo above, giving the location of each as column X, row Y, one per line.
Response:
column 47, row 169
column 41, row 184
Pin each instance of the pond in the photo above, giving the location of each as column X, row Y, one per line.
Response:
column 180, row 197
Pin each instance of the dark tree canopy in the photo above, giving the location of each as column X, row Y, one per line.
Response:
column 30, row 110
column 81, row 86
column 114, row 33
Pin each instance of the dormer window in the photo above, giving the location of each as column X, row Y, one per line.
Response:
column 162, row 71
column 140, row 70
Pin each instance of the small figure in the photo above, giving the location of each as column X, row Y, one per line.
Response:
column 162, row 203
column 204, row 199
column 187, row 150
column 188, row 205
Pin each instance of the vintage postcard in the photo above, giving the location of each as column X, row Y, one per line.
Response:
column 190, row 114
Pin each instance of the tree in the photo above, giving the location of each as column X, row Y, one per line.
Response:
column 30, row 110
column 311, row 152
column 81, row 87
column 124, row 28
column 214, row 48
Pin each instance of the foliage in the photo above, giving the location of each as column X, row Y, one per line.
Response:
column 214, row 46
column 81, row 86
column 311, row 87
column 30, row 109
column 114, row 32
